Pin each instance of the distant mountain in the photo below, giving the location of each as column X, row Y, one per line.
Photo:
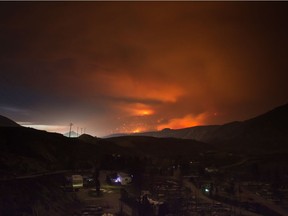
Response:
column 119, row 135
column 6, row 122
column 200, row 133
column 266, row 132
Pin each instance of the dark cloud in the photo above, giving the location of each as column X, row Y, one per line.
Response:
column 127, row 66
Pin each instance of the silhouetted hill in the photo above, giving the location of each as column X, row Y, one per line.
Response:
column 26, row 150
column 117, row 135
column 29, row 150
column 266, row 132
column 159, row 147
column 104, row 146
column 200, row 133
column 87, row 138
column 6, row 122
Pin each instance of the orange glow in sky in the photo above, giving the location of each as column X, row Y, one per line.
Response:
column 136, row 109
column 141, row 66
column 143, row 112
column 186, row 121
column 146, row 112
column 132, row 87
column 136, row 130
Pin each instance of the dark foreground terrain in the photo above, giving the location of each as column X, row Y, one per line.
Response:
column 240, row 165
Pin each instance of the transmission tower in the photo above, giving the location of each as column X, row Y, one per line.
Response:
column 70, row 129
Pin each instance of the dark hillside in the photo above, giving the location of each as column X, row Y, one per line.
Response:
column 6, row 122
column 160, row 147
column 265, row 133
column 26, row 150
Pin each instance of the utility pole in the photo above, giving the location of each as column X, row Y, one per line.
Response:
column 70, row 129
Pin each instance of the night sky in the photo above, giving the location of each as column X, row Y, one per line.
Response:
column 113, row 67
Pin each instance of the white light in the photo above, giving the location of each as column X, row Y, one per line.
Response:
column 118, row 179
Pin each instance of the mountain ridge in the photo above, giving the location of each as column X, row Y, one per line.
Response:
column 6, row 122
column 264, row 131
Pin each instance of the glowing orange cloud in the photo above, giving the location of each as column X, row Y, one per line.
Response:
column 137, row 109
column 123, row 85
column 146, row 112
column 186, row 121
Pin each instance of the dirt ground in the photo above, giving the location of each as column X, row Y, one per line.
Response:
column 108, row 199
